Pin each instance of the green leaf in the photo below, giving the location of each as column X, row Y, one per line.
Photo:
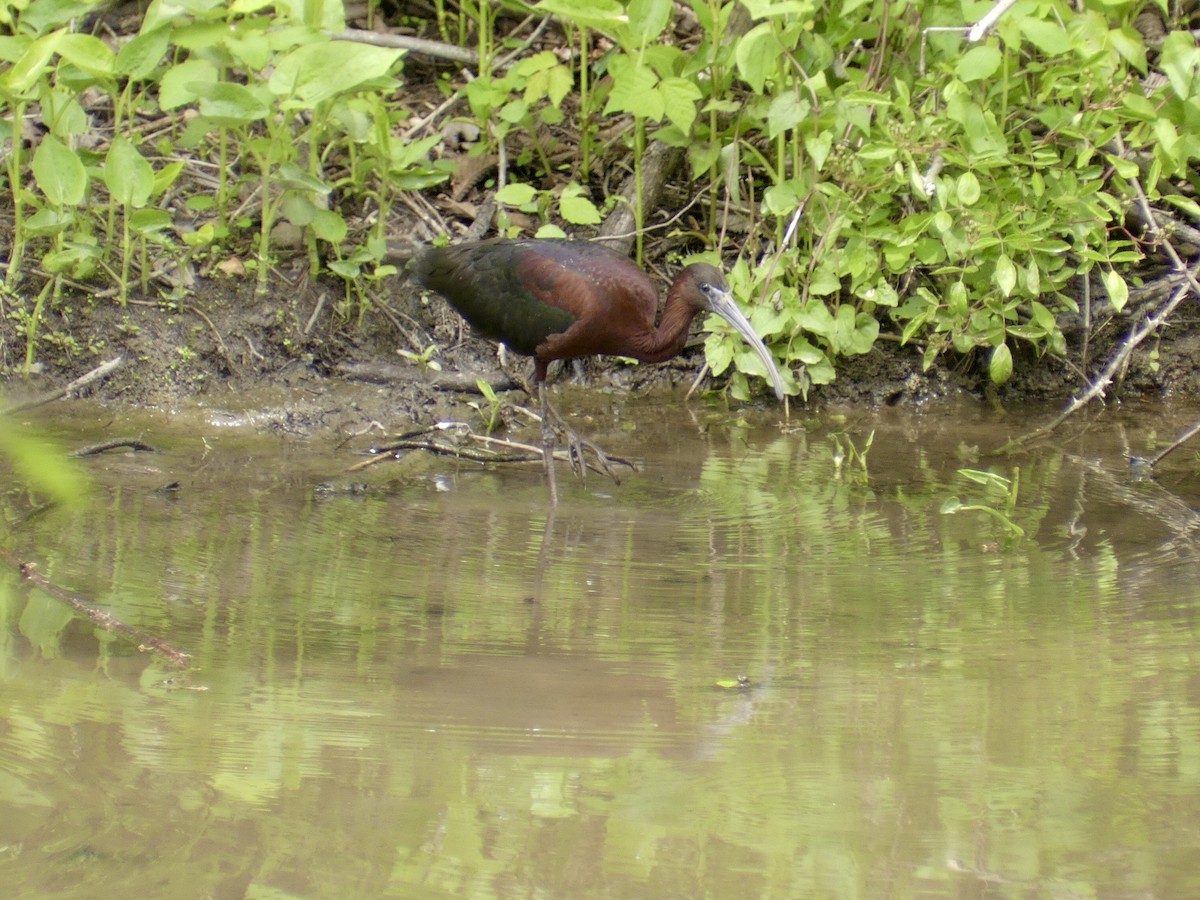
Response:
column 1129, row 46
column 818, row 147
column 129, row 177
column 1043, row 317
column 298, row 208
column 679, row 101
column 718, row 352
column 1180, row 61
column 40, row 16
column 756, row 55
column 1115, row 286
column 1005, row 274
column 293, row 177
column 59, row 172
column 75, row 260
column 786, row 111
column 762, row 9
column 319, row 71
column 229, row 104
column 979, row 63
column 88, row 53
column 178, row 84
column 139, row 57
column 560, row 81
column 165, row 177
column 647, row 19
column 42, row 465
column 516, row 194
column 26, row 72
column 853, row 335
column 48, row 222
column 968, row 189
column 539, row 62
column 1049, row 37
column 1001, row 364
column 577, row 208
column 634, row 91
column 150, row 221
column 957, row 303
column 329, row 226
column 602, row 15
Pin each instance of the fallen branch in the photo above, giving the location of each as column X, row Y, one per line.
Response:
column 108, row 621
column 96, row 374
column 1105, row 378
column 114, row 444
column 1175, row 445
column 424, row 438
column 403, row 42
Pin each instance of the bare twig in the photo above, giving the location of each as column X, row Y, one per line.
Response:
column 1175, row 445
column 105, row 368
column 404, row 42
column 312, row 320
column 105, row 620
column 1105, row 378
column 1190, row 284
column 425, row 438
column 114, row 444
column 233, row 366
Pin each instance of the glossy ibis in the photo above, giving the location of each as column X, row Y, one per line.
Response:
column 557, row 299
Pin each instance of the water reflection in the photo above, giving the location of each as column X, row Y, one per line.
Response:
column 740, row 672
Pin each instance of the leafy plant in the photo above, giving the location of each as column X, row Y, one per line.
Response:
column 846, row 454
column 1004, row 490
column 490, row 415
column 424, row 360
column 876, row 177
column 273, row 94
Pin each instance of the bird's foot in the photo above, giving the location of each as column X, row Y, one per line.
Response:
column 580, row 453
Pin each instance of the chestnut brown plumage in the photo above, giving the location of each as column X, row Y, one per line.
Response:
column 555, row 299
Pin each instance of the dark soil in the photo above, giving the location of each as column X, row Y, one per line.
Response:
column 307, row 359
column 270, row 356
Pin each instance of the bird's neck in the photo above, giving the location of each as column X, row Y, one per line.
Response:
column 668, row 339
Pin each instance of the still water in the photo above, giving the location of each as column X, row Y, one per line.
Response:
column 747, row 671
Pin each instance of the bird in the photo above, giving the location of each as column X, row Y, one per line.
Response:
column 565, row 299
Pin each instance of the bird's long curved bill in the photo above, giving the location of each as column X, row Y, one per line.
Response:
column 725, row 307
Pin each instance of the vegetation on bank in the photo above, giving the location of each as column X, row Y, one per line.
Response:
column 866, row 170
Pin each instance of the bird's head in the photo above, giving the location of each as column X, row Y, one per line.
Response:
column 706, row 290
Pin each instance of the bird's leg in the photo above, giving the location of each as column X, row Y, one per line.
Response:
column 577, row 447
column 548, row 443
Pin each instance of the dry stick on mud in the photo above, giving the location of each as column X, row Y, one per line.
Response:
column 29, row 572
column 1191, row 284
column 411, row 440
column 95, row 375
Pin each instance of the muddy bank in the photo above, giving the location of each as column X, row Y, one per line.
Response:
column 309, row 360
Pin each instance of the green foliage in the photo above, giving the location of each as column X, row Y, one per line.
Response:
column 489, row 409
column 845, row 454
column 39, row 464
column 281, row 109
column 1001, row 499
column 424, row 360
column 887, row 178
column 957, row 204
